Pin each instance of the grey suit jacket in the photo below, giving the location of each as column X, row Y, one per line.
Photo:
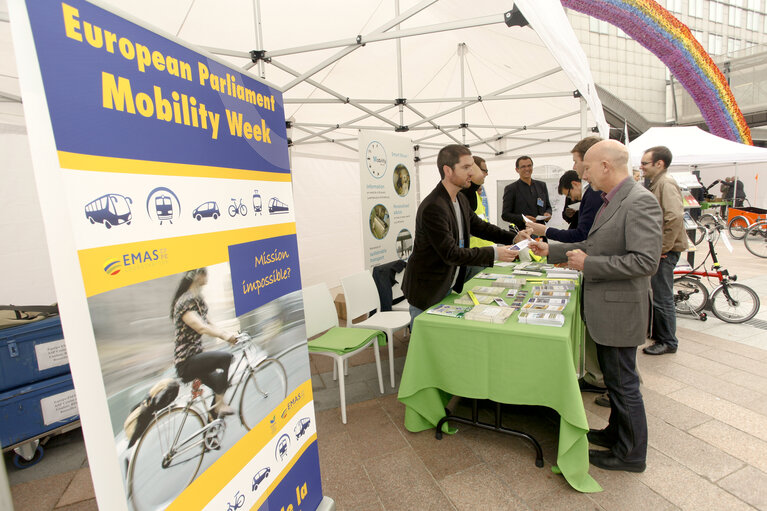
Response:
column 623, row 249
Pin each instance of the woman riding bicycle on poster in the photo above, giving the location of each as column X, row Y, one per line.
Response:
column 189, row 313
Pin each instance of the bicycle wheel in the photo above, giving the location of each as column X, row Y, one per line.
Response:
column 734, row 303
column 756, row 239
column 232, row 210
column 738, row 227
column 157, row 475
column 690, row 295
column 243, row 210
column 264, row 389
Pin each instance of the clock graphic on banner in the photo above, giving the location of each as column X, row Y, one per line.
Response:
column 375, row 157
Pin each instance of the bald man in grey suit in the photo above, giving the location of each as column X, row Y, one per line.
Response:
column 618, row 258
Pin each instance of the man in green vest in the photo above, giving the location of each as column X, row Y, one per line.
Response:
column 474, row 193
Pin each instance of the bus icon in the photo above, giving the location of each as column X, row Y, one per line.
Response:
column 110, row 209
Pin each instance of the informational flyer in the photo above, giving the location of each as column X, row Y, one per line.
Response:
column 389, row 206
column 166, row 192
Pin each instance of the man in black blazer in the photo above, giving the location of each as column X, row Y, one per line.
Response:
column 441, row 249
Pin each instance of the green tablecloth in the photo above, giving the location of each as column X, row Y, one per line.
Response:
column 511, row 363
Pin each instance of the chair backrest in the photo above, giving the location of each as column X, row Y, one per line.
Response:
column 396, row 289
column 361, row 294
column 319, row 310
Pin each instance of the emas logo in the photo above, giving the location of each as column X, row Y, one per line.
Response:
column 113, row 266
column 293, row 402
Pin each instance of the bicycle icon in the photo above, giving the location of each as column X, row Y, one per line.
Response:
column 239, row 500
column 235, row 208
column 169, row 453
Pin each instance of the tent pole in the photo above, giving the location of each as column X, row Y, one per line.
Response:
column 584, row 118
column 462, row 57
column 432, row 123
column 400, row 92
column 259, row 35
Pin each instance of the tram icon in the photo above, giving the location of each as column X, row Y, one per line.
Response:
column 257, row 204
column 162, row 204
column 164, row 208
column 277, row 207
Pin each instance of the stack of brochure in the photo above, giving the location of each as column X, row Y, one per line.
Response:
column 542, row 307
column 519, row 295
column 562, row 273
column 551, row 294
column 509, row 283
column 542, row 318
column 487, row 290
column 489, row 314
column 530, row 273
column 451, row 311
column 559, row 285
column 465, row 299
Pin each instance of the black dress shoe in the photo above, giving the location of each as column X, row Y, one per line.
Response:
column 600, row 438
column 589, row 387
column 603, row 400
column 659, row 348
column 608, row 461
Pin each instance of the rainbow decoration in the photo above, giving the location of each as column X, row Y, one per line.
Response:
column 671, row 41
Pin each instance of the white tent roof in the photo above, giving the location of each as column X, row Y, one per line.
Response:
column 691, row 145
column 466, row 77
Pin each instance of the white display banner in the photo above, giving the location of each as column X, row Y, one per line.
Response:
column 388, row 197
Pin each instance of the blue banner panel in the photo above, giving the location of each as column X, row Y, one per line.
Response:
column 301, row 488
column 119, row 90
column 263, row 270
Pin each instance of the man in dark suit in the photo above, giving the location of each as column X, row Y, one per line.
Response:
column 443, row 226
column 618, row 258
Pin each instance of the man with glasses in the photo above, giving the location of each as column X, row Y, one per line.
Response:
column 654, row 164
column 525, row 198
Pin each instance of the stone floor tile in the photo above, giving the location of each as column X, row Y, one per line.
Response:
column 714, row 385
column 331, row 398
column 79, row 489
column 563, row 498
column 699, row 363
column 672, row 412
column 466, row 489
column 735, row 442
column 343, row 477
column 442, row 457
column 689, row 345
column 85, row 505
column 372, row 433
column 683, row 488
column 748, row 484
column 660, row 383
column 624, row 491
column 394, row 408
column 737, row 416
column 695, row 454
column 403, row 483
column 42, row 494
column 736, row 361
column 732, row 331
column 757, row 383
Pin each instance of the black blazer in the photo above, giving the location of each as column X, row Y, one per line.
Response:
column 436, row 253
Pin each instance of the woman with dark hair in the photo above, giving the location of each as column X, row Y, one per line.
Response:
column 189, row 313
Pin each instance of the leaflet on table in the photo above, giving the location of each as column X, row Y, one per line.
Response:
column 489, row 314
column 487, row 290
column 527, row 272
column 542, row 318
column 451, row 311
column 542, row 307
column 563, row 285
column 508, row 282
column 550, row 301
column 551, row 294
column 465, row 299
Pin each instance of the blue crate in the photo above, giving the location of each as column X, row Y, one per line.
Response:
column 32, row 352
column 28, row 412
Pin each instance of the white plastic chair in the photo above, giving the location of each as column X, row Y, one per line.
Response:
column 361, row 298
column 336, row 342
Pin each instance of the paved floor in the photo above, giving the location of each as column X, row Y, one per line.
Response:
column 707, row 417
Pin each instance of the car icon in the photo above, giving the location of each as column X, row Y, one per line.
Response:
column 206, row 210
column 260, row 476
column 301, row 427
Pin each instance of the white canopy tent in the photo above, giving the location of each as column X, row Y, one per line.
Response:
column 437, row 71
column 714, row 157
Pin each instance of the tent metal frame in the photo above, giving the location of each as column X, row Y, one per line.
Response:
column 391, row 31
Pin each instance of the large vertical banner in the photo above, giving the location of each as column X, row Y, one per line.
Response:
column 388, row 201
column 166, row 192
